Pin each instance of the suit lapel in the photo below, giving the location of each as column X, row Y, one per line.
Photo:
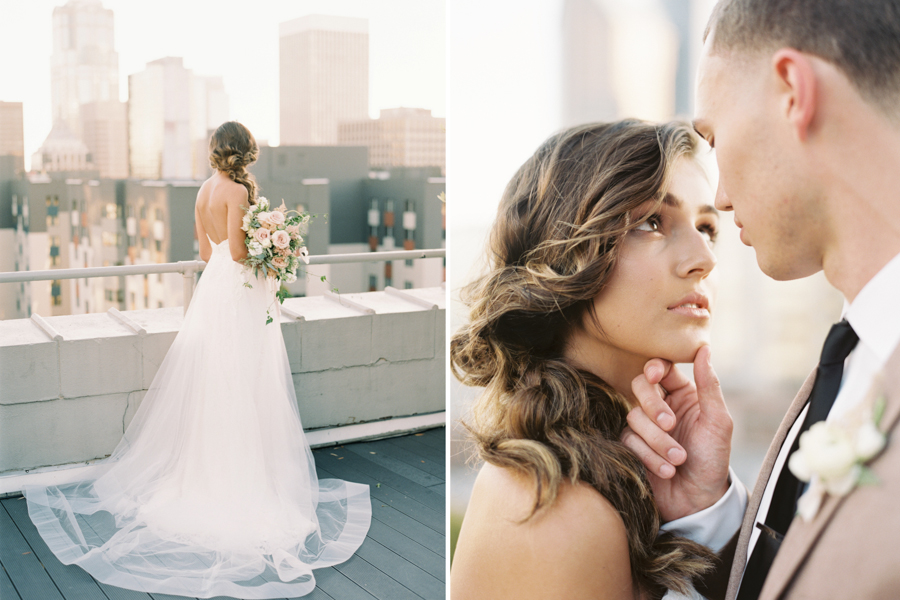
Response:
column 802, row 536
column 765, row 473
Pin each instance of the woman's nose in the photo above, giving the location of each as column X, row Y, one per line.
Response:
column 697, row 256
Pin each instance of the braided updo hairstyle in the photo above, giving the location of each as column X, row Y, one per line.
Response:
column 232, row 149
column 551, row 251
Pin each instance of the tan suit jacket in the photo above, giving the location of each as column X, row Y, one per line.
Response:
column 851, row 549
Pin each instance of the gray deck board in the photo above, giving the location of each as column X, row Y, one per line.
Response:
column 419, row 464
column 426, row 559
column 71, row 580
column 409, row 443
column 402, row 557
column 388, row 477
column 7, row 589
column 23, row 567
column 383, row 492
column 401, row 570
column 433, row 437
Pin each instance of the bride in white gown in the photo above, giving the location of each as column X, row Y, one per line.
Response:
column 213, row 489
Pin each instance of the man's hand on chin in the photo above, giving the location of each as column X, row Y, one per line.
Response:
column 682, row 434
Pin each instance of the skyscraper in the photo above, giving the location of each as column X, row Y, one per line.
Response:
column 85, row 85
column 171, row 112
column 324, row 77
column 12, row 138
column 84, row 66
column 400, row 137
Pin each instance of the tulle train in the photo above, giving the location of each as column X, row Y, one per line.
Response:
column 213, row 489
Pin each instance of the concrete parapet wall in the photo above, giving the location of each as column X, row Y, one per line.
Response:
column 65, row 401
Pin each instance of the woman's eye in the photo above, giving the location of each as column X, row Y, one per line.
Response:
column 709, row 231
column 652, row 223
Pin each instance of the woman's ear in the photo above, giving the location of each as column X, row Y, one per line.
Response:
column 798, row 88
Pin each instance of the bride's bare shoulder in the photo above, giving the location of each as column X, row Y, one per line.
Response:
column 222, row 189
column 578, row 543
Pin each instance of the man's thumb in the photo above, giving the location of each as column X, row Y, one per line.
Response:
column 709, row 390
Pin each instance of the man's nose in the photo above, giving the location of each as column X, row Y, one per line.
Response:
column 722, row 202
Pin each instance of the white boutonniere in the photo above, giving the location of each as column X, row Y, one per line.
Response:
column 832, row 458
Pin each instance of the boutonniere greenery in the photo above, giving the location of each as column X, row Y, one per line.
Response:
column 832, row 458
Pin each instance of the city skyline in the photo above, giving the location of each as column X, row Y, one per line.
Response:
column 406, row 64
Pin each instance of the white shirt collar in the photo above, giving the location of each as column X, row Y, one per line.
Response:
column 875, row 312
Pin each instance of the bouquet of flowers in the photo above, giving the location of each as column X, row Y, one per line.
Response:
column 274, row 244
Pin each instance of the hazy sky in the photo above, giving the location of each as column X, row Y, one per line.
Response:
column 237, row 40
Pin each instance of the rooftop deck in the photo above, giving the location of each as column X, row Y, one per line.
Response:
column 402, row 557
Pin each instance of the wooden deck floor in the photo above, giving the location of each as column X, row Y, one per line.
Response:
column 402, row 557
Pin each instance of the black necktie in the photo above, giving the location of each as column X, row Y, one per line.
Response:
column 840, row 342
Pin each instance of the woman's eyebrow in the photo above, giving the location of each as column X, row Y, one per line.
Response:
column 674, row 201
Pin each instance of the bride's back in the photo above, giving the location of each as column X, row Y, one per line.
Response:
column 223, row 198
column 212, row 204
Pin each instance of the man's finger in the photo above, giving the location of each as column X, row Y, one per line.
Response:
column 674, row 380
column 650, row 398
column 652, row 461
column 660, row 442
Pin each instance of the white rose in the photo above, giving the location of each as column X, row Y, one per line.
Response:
column 828, row 451
column 290, row 277
column 841, row 486
column 869, row 441
column 255, row 248
column 799, row 467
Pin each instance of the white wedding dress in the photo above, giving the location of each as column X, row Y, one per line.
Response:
column 213, row 489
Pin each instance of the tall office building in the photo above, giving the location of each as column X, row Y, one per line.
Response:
column 609, row 70
column 104, row 130
column 324, row 77
column 171, row 112
column 12, row 137
column 84, row 65
column 400, row 137
column 209, row 110
column 84, row 86
column 587, row 83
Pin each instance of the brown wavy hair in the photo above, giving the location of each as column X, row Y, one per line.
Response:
column 551, row 251
column 232, row 148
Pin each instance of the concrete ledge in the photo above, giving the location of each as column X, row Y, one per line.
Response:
column 69, row 400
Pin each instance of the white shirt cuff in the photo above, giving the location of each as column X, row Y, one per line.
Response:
column 714, row 526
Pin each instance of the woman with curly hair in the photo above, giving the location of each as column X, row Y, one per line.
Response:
column 600, row 259
column 212, row 490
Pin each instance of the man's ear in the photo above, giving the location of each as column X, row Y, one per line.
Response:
column 796, row 83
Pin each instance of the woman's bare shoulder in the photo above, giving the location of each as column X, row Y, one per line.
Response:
column 578, row 543
column 222, row 189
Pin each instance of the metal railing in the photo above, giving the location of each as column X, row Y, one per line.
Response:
column 188, row 268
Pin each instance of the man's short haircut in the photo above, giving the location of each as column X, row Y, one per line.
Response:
column 859, row 37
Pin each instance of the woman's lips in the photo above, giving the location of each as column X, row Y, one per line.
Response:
column 691, row 310
column 694, row 305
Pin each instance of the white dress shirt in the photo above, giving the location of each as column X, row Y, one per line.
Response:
column 875, row 317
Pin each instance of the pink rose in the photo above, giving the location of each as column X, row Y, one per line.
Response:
column 276, row 217
column 279, row 262
column 263, row 216
column 281, row 238
column 262, row 236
